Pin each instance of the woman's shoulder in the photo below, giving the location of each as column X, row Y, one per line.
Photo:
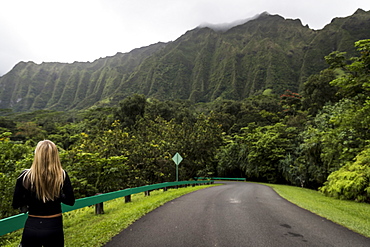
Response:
column 23, row 179
column 24, row 172
column 65, row 174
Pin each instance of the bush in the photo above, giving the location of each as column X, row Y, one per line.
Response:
column 352, row 181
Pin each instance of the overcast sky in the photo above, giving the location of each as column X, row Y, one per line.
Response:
column 85, row 30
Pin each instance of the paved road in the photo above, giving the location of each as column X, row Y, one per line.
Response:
column 235, row 214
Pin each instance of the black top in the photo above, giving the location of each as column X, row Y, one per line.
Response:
column 25, row 197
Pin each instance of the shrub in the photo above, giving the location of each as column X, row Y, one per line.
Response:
column 352, row 181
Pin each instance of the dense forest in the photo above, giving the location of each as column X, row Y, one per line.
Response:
column 316, row 138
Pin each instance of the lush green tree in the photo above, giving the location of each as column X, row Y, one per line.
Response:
column 156, row 141
column 66, row 135
column 29, row 131
column 355, row 79
column 261, row 109
column 336, row 59
column 226, row 113
column 7, row 125
column 234, row 115
column 339, row 131
column 334, row 137
column 97, row 163
column 152, row 146
column 268, row 146
column 91, row 174
column 13, row 157
column 179, row 110
column 156, row 108
column 309, row 168
column 258, row 151
column 199, row 143
column 95, row 120
column 317, row 91
column 232, row 157
column 291, row 102
column 130, row 110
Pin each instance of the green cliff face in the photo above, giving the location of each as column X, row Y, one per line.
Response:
column 60, row 86
column 202, row 65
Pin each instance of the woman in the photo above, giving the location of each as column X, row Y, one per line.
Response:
column 41, row 189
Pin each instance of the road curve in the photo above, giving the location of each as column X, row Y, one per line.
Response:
column 235, row 214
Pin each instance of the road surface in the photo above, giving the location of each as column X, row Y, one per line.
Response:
column 235, row 214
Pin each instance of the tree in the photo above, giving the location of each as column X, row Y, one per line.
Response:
column 97, row 163
column 334, row 137
column 232, row 157
column 130, row 110
column 317, row 91
column 13, row 159
column 258, row 151
column 355, row 80
column 199, row 143
column 291, row 102
column 29, row 131
column 7, row 124
column 339, row 131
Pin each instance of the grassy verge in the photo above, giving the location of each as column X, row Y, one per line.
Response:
column 353, row 215
column 83, row 228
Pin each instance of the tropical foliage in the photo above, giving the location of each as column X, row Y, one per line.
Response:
column 317, row 138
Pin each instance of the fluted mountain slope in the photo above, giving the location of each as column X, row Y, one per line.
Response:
column 202, row 65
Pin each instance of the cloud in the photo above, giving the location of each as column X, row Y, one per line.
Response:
column 226, row 26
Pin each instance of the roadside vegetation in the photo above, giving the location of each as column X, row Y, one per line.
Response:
column 317, row 138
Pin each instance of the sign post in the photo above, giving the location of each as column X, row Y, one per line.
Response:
column 177, row 159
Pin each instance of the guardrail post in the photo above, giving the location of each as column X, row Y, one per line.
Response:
column 147, row 193
column 164, row 189
column 127, row 198
column 99, row 208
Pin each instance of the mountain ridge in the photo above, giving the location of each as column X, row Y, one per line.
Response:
column 202, row 65
column 222, row 27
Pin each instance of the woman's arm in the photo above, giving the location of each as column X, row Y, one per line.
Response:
column 67, row 194
column 19, row 196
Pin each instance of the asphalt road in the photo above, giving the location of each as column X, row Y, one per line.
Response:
column 234, row 214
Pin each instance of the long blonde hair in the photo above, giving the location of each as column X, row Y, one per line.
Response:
column 46, row 175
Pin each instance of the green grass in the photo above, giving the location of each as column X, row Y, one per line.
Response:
column 83, row 228
column 350, row 214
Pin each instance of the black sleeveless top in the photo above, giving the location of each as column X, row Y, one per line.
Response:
column 26, row 197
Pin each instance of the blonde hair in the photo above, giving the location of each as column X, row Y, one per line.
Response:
column 46, row 175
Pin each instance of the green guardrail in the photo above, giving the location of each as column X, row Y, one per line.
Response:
column 16, row 222
column 219, row 178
